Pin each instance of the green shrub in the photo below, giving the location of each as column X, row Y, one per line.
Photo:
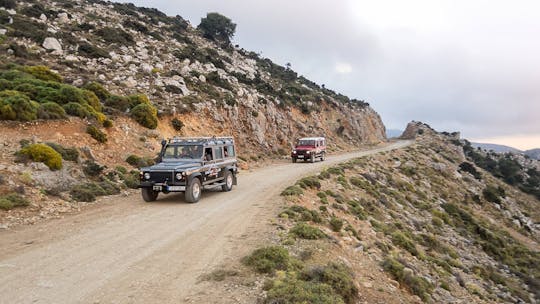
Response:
column 137, row 99
column 43, row 73
column 107, row 123
column 76, row 109
column 51, row 110
column 86, row 192
column 418, row 285
column 177, row 124
column 92, row 169
column 306, row 231
column 12, row 200
column 98, row 89
column 71, row 154
column 217, row 27
column 336, row 224
column 115, row 35
column 492, row 194
column 87, row 50
column 401, row 240
column 145, row 115
column 309, row 182
column 338, row 276
column 139, row 162
column 292, row 191
column 290, row 289
column 43, row 153
column 96, row 134
column 269, row 259
column 17, row 106
column 335, row 170
column 131, row 180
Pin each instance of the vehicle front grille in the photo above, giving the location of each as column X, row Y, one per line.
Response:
column 301, row 152
column 161, row 177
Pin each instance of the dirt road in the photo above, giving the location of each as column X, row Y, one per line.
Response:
column 128, row 251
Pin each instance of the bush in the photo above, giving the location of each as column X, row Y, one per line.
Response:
column 43, row 73
column 145, row 115
column 51, row 110
column 90, row 51
column 17, row 106
column 292, row 191
column 118, row 102
column 92, row 169
column 177, row 124
column 43, row 153
column 131, row 180
column 492, row 194
column 86, row 192
column 305, row 231
column 96, row 134
column 468, row 167
column 115, row 35
column 290, row 289
column 71, row 154
column 309, row 182
column 98, row 89
column 336, row 224
column 401, row 240
column 12, row 200
column 418, row 285
column 338, row 276
column 139, row 162
column 268, row 259
column 8, row 4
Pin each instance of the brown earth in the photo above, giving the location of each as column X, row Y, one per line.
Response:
column 126, row 251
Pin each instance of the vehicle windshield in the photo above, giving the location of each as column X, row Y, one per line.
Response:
column 306, row 142
column 183, row 151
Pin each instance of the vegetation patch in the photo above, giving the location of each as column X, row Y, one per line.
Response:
column 337, row 276
column 306, row 231
column 12, row 200
column 41, row 153
column 269, row 259
column 70, row 154
column 292, row 191
column 139, row 162
column 97, row 134
column 417, row 285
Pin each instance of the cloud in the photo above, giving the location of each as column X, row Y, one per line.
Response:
column 343, row 68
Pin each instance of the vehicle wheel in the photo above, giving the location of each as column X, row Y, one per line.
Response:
column 293, row 160
column 322, row 156
column 312, row 159
column 149, row 195
column 228, row 182
column 193, row 191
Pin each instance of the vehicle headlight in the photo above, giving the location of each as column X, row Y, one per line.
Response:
column 307, row 152
column 146, row 175
column 294, row 151
column 179, row 176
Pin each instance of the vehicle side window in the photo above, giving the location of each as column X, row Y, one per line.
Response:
column 218, row 152
column 229, row 151
column 208, row 154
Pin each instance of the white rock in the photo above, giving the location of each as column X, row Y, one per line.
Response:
column 52, row 43
column 3, row 31
column 63, row 17
column 130, row 82
column 71, row 58
column 43, row 18
column 145, row 67
column 78, row 82
column 11, row 11
column 102, row 77
column 202, row 78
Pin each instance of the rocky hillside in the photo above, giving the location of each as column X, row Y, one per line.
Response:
column 89, row 88
column 421, row 224
column 131, row 50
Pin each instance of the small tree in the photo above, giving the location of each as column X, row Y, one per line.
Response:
column 217, row 27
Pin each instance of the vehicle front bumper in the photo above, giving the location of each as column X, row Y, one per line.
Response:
column 162, row 187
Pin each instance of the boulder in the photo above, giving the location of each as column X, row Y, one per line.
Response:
column 52, row 44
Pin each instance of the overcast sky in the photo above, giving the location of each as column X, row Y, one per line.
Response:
column 469, row 66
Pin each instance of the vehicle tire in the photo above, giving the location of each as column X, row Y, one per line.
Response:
column 322, row 156
column 228, row 182
column 149, row 195
column 193, row 191
column 312, row 159
column 294, row 160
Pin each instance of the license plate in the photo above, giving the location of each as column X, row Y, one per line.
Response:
column 156, row 188
column 300, row 156
column 176, row 188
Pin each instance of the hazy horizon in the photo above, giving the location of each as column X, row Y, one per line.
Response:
column 467, row 66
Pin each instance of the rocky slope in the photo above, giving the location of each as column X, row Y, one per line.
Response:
column 54, row 52
column 421, row 224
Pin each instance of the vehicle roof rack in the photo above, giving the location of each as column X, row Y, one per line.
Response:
column 202, row 140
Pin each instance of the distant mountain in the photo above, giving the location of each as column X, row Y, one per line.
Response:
column 533, row 153
column 393, row 133
column 496, row 148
